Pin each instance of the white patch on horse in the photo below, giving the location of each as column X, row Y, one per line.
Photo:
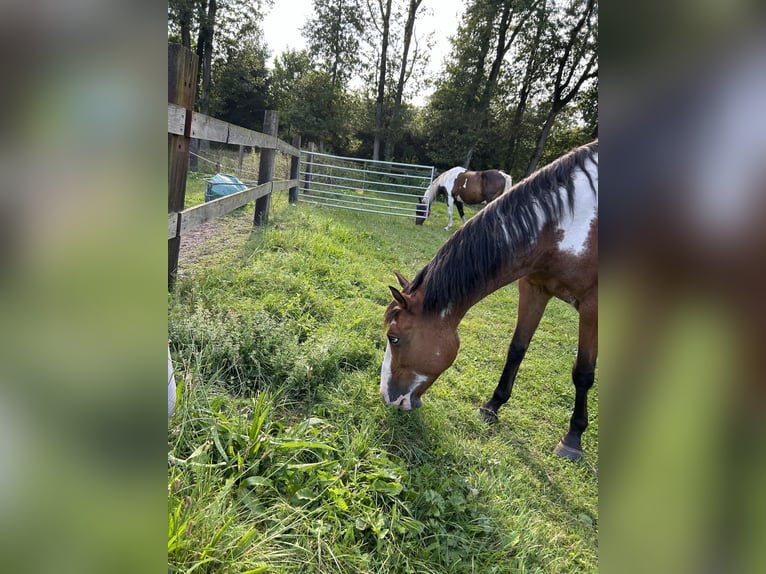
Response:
column 508, row 181
column 404, row 402
column 419, row 380
column 576, row 228
column 385, row 374
column 446, row 311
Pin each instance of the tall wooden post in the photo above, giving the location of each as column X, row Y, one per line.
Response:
column 295, row 173
column 182, row 86
column 266, row 168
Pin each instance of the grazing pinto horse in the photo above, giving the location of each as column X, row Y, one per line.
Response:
column 462, row 186
column 543, row 234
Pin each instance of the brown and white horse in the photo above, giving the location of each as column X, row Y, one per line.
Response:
column 543, row 234
column 461, row 186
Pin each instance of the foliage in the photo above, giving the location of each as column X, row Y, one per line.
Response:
column 504, row 119
column 240, row 86
column 282, row 457
column 333, row 38
column 518, row 89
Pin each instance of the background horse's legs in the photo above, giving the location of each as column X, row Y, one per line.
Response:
column 459, row 205
column 532, row 303
column 583, row 375
column 450, row 201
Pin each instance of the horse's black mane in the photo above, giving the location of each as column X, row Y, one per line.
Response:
column 474, row 253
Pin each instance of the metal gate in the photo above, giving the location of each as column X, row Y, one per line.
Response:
column 363, row 184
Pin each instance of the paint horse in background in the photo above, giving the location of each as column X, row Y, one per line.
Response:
column 461, row 186
column 543, row 234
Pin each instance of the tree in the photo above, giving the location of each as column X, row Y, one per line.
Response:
column 240, row 85
column 332, row 37
column 532, row 59
column 206, row 14
column 221, row 26
column 577, row 62
column 289, row 69
column 405, row 70
column 381, row 92
column 481, row 47
column 181, row 19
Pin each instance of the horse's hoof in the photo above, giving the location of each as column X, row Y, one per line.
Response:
column 488, row 415
column 567, row 452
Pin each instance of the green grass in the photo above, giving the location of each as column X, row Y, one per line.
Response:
column 282, row 457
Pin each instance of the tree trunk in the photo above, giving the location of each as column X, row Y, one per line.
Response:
column 526, row 87
column 564, row 77
column 381, row 81
column 393, row 130
column 185, row 10
column 209, row 26
column 207, row 31
column 501, row 49
column 545, row 132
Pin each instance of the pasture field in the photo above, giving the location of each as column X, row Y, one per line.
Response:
column 282, row 456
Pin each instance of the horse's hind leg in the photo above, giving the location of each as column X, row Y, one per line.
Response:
column 532, row 303
column 583, row 375
column 459, row 205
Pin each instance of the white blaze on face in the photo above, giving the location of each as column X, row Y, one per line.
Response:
column 385, row 374
column 576, row 226
column 402, row 401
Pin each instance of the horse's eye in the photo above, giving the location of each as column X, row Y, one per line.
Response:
column 393, row 340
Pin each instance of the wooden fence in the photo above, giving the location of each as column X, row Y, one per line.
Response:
column 185, row 124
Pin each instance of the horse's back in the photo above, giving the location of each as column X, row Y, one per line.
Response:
column 494, row 183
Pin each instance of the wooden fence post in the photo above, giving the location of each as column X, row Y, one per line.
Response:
column 295, row 164
column 309, row 162
column 182, row 86
column 266, row 168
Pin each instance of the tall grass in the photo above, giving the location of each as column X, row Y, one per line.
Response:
column 282, row 457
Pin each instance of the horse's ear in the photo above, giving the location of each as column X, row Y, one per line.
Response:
column 402, row 281
column 399, row 297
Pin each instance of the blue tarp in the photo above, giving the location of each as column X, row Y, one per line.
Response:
column 221, row 185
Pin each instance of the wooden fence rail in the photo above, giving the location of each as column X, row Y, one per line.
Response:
column 208, row 128
column 185, row 124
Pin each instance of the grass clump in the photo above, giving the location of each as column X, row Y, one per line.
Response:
column 282, row 457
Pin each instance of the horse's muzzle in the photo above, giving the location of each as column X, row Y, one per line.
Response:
column 404, row 402
column 421, row 213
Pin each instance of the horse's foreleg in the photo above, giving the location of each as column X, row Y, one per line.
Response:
column 450, row 201
column 459, row 205
column 583, row 375
column 532, row 303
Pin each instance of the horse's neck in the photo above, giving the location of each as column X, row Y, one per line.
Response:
column 457, row 312
column 433, row 189
column 442, row 181
column 430, row 192
column 455, row 307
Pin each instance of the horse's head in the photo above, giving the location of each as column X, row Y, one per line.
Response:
column 421, row 346
column 421, row 212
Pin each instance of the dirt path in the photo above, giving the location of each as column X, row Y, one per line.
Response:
column 210, row 239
